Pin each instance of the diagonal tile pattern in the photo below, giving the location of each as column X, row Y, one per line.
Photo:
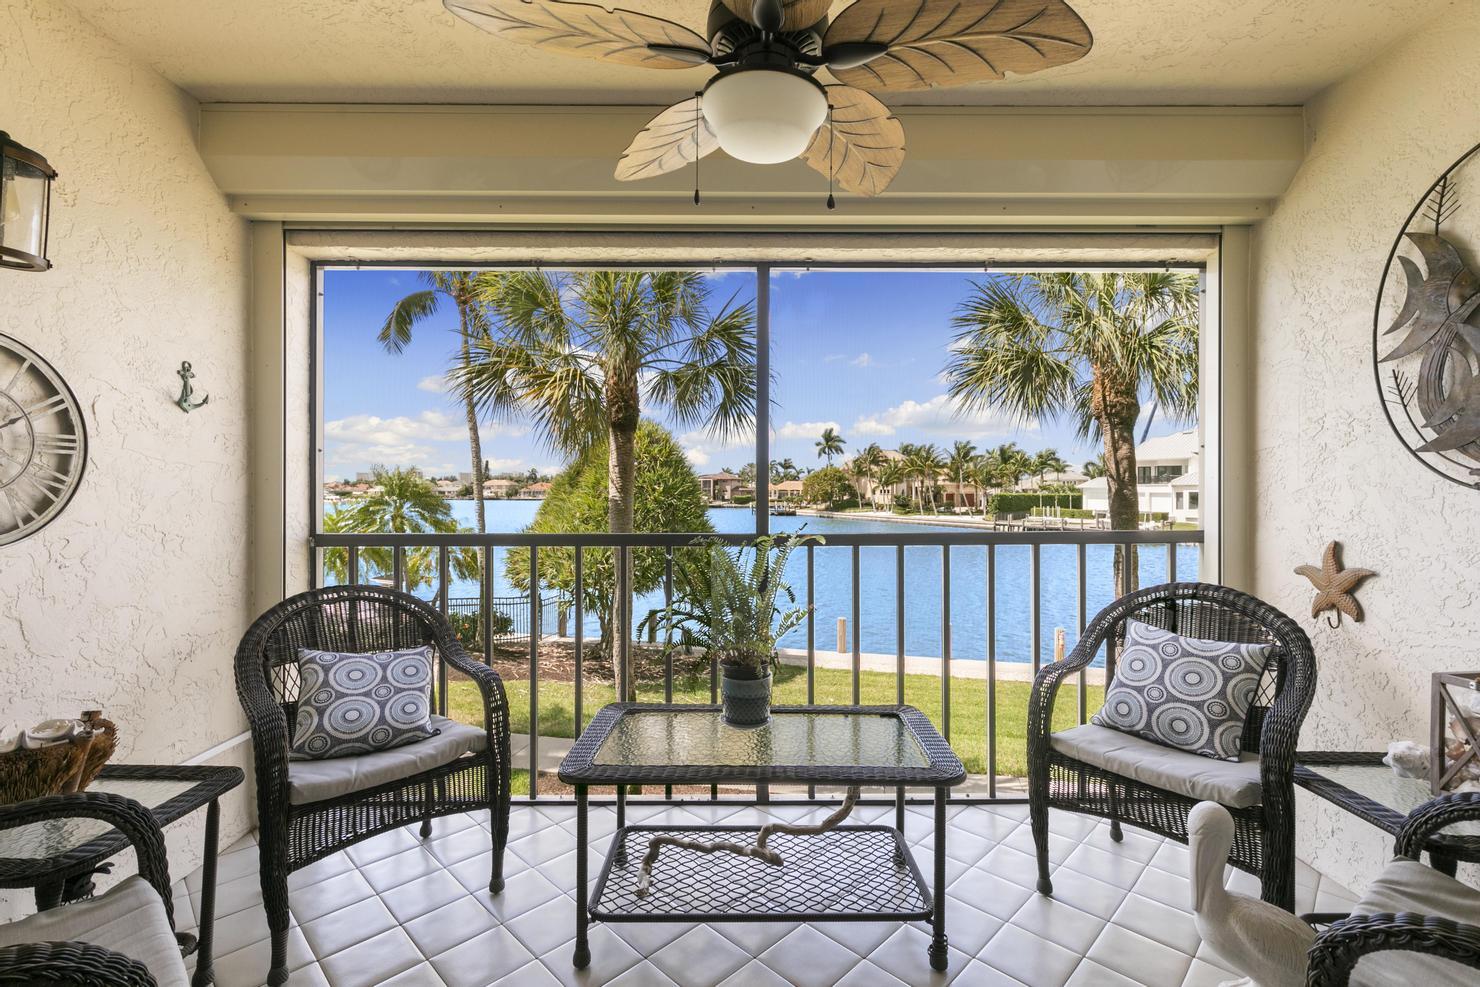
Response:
column 399, row 910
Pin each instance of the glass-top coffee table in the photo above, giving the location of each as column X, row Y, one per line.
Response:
column 851, row 873
column 1360, row 783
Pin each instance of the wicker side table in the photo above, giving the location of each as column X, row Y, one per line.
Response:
column 57, row 858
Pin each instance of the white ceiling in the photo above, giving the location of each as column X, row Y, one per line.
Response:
column 1146, row 52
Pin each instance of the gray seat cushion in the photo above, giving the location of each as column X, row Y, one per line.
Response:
column 128, row 919
column 1231, row 783
column 315, row 781
column 1408, row 886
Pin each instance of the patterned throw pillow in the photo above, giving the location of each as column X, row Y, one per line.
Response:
column 359, row 703
column 1183, row 692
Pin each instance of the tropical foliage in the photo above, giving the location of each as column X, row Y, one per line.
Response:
column 580, row 355
column 401, row 501
column 668, row 499
column 1084, row 346
column 731, row 603
column 830, row 445
column 829, row 486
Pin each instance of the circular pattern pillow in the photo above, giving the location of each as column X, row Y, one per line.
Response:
column 1183, row 692
column 351, row 703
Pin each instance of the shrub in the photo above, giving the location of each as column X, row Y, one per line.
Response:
column 742, row 500
column 1069, row 512
column 468, row 627
column 902, row 504
column 828, row 485
column 1022, row 503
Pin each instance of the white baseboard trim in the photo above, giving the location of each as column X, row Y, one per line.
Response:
column 221, row 748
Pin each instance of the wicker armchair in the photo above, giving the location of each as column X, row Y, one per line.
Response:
column 300, row 818
column 122, row 938
column 1426, row 919
column 1060, row 776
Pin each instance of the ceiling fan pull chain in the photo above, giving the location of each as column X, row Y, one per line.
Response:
column 832, row 139
column 698, row 122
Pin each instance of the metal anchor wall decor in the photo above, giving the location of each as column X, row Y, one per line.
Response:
column 187, row 390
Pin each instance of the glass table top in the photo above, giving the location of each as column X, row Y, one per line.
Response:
column 663, row 738
column 1378, row 783
column 38, row 841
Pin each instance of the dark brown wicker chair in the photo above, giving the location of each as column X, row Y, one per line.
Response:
column 133, row 960
column 1264, row 832
column 296, row 833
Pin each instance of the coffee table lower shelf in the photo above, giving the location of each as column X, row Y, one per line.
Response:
column 849, row 874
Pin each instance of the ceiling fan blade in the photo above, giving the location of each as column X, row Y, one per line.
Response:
column 796, row 14
column 586, row 29
column 676, row 137
column 956, row 42
column 866, row 141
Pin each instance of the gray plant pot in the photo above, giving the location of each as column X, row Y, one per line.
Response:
column 747, row 702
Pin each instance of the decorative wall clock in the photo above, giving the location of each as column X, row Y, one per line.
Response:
column 43, row 442
column 1426, row 328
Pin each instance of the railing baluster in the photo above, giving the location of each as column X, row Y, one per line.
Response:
column 580, row 610
column 352, row 573
column 857, row 635
column 485, row 607
column 1171, row 562
column 398, row 567
column 945, row 642
column 1034, row 615
column 443, row 571
column 899, row 662
column 1079, row 623
column 992, row 671
column 811, row 645
column 534, row 672
column 668, row 640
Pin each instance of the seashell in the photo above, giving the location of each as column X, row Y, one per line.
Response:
column 49, row 732
column 10, row 737
column 1407, row 759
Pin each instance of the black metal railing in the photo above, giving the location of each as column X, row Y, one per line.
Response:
column 613, row 555
column 511, row 618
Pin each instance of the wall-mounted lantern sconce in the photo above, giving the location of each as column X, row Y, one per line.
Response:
column 25, row 206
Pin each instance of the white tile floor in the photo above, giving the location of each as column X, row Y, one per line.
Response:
column 396, row 910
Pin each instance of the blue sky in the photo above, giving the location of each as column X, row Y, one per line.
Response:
column 859, row 350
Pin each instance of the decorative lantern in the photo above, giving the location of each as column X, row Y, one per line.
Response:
column 1454, row 731
column 25, row 206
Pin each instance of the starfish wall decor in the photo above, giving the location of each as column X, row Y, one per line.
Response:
column 1334, row 586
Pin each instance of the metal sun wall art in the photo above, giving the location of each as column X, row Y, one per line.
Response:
column 1426, row 354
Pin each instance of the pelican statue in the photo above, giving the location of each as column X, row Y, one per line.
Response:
column 1262, row 941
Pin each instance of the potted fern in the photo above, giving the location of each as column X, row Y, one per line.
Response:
column 734, row 606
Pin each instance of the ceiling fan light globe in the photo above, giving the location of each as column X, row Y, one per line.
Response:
column 764, row 116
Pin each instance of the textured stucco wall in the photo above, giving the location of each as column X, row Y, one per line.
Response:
column 1326, row 464
column 134, row 598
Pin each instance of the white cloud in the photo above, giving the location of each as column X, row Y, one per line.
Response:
column 703, row 449
column 432, row 385
column 862, row 360
column 853, row 360
column 937, row 416
column 805, row 430
column 357, row 442
column 697, row 456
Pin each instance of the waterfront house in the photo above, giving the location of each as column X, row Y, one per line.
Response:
column 258, row 188
column 1168, row 480
column 719, row 487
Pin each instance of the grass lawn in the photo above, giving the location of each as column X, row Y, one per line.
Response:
column 833, row 686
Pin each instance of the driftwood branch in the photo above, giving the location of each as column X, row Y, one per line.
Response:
column 759, row 850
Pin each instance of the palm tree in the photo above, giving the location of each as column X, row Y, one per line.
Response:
column 1087, row 346
column 1094, row 468
column 865, row 467
column 986, row 473
column 580, row 354
column 891, row 473
column 963, row 455
column 830, row 445
column 1047, row 461
column 404, row 502
column 926, row 463
column 395, row 335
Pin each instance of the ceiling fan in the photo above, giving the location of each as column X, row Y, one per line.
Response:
column 764, row 106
